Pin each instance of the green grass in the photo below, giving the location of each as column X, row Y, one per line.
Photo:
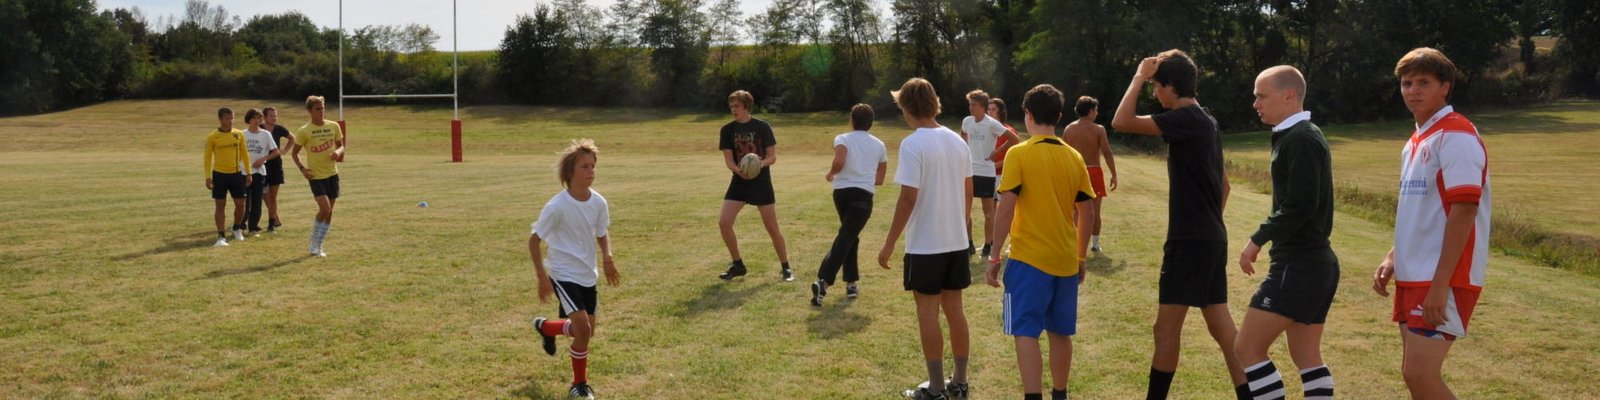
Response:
column 1539, row 159
column 108, row 288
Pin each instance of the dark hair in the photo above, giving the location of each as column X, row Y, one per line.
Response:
column 264, row 111
column 999, row 105
column 1427, row 60
column 861, row 117
column 1045, row 103
column 1085, row 105
column 251, row 114
column 1178, row 71
column 224, row 111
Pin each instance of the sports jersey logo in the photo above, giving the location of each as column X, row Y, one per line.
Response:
column 325, row 146
column 1413, row 187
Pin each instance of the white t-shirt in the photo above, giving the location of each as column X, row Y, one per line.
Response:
column 259, row 143
column 981, row 136
column 570, row 227
column 1445, row 162
column 931, row 161
column 863, row 154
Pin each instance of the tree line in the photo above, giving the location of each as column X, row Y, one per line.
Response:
column 807, row 55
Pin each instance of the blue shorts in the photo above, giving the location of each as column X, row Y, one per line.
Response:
column 1036, row 301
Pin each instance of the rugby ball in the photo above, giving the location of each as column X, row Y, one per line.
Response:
column 750, row 166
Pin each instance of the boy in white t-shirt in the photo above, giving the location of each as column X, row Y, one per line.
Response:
column 981, row 132
column 859, row 163
column 262, row 148
column 574, row 223
column 935, row 182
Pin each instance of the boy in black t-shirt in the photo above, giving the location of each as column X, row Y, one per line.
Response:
column 285, row 141
column 747, row 135
column 1193, row 266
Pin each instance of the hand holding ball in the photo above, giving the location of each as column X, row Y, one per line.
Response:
column 750, row 166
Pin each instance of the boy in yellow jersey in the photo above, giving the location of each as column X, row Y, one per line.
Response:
column 324, row 142
column 227, row 173
column 1049, row 225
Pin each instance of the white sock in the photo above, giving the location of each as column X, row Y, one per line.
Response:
column 1318, row 382
column 1094, row 241
column 1264, row 381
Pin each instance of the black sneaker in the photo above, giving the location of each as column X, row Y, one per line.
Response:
column 549, row 341
column 735, row 270
column 850, row 290
column 818, row 289
column 957, row 391
column 787, row 274
column 581, row 390
column 985, row 250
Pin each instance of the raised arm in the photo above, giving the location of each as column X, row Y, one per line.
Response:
column 1125, row 120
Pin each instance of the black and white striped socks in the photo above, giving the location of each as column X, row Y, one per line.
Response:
column 1264, row 381
column 1318, row 382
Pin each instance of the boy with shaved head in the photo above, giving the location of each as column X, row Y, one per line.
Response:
column 1304, row 272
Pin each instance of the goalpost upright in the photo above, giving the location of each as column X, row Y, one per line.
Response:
column 455, row 84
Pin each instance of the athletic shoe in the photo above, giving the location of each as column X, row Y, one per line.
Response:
column 922, row 393
column 272, row 227
column 549, row 341
column 850, row 290
column 1095, row 248
column 581, row 391
column 734, row 271
column 787, row 275
column 221, row 242
column 254, row 233
column 818, row 289
column 238, row 234
column 957, row 391
column 985, row 250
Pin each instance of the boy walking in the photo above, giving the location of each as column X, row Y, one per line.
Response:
column 748, row 135
column 981, row 134
column 1046, row 264
column 227, row 166
column 1304, row 273
column 325, row 144
column 1441, row 238
column 1089, row 139
column 935, row 177
column 262, row 149
column 860, row 162
column 575, row 223
column 1193, row 266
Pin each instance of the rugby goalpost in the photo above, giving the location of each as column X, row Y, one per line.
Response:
column 455, row 84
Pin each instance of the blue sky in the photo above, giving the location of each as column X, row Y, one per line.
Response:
column 482, row 22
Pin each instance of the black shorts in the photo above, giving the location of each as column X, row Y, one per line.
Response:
column 227, row 185
column 932, row 273
column 274, row 174
column 982, row 186
column 1300, row 285
column 325, row 187
column 1194, row 273
column 755, row 192
column 572, row 297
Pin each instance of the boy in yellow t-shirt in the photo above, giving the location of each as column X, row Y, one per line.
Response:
column 324, row 142
column 227, row 167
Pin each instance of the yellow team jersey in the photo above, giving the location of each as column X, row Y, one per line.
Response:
column 320, row 141
column 225, row 153
column 1050, row 179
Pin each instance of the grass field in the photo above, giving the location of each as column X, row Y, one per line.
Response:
column 108, row 288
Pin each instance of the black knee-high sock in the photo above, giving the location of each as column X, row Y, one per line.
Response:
column 1160, row 382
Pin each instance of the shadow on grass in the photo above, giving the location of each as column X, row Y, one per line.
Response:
column 247, row 270
column 1100, row 263
column 176, row 243
column 835, row 321
column 539, row 391
column 719, row 296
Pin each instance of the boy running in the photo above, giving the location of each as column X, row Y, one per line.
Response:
column 935, row 177
column 1089, row 139
column 1304, row 273
column 262, row 148
column 1194, row 263
column 284, row 140
column 575, row 223
column 1441, row 238
column 981, row 132
column 1046, row 263
column 325, row 142
column 748, row 135
column 227, row 166
column 859, row 163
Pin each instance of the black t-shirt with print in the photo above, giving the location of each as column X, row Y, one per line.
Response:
column 745, row 138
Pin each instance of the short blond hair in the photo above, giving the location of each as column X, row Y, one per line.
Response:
column 567, row 164
column 1427, row 60
column 315, row 100
column 917, row 98
column 744, row 98
column 978, row 96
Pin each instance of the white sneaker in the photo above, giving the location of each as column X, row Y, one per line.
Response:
column 221, row 242
column 238, row 234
